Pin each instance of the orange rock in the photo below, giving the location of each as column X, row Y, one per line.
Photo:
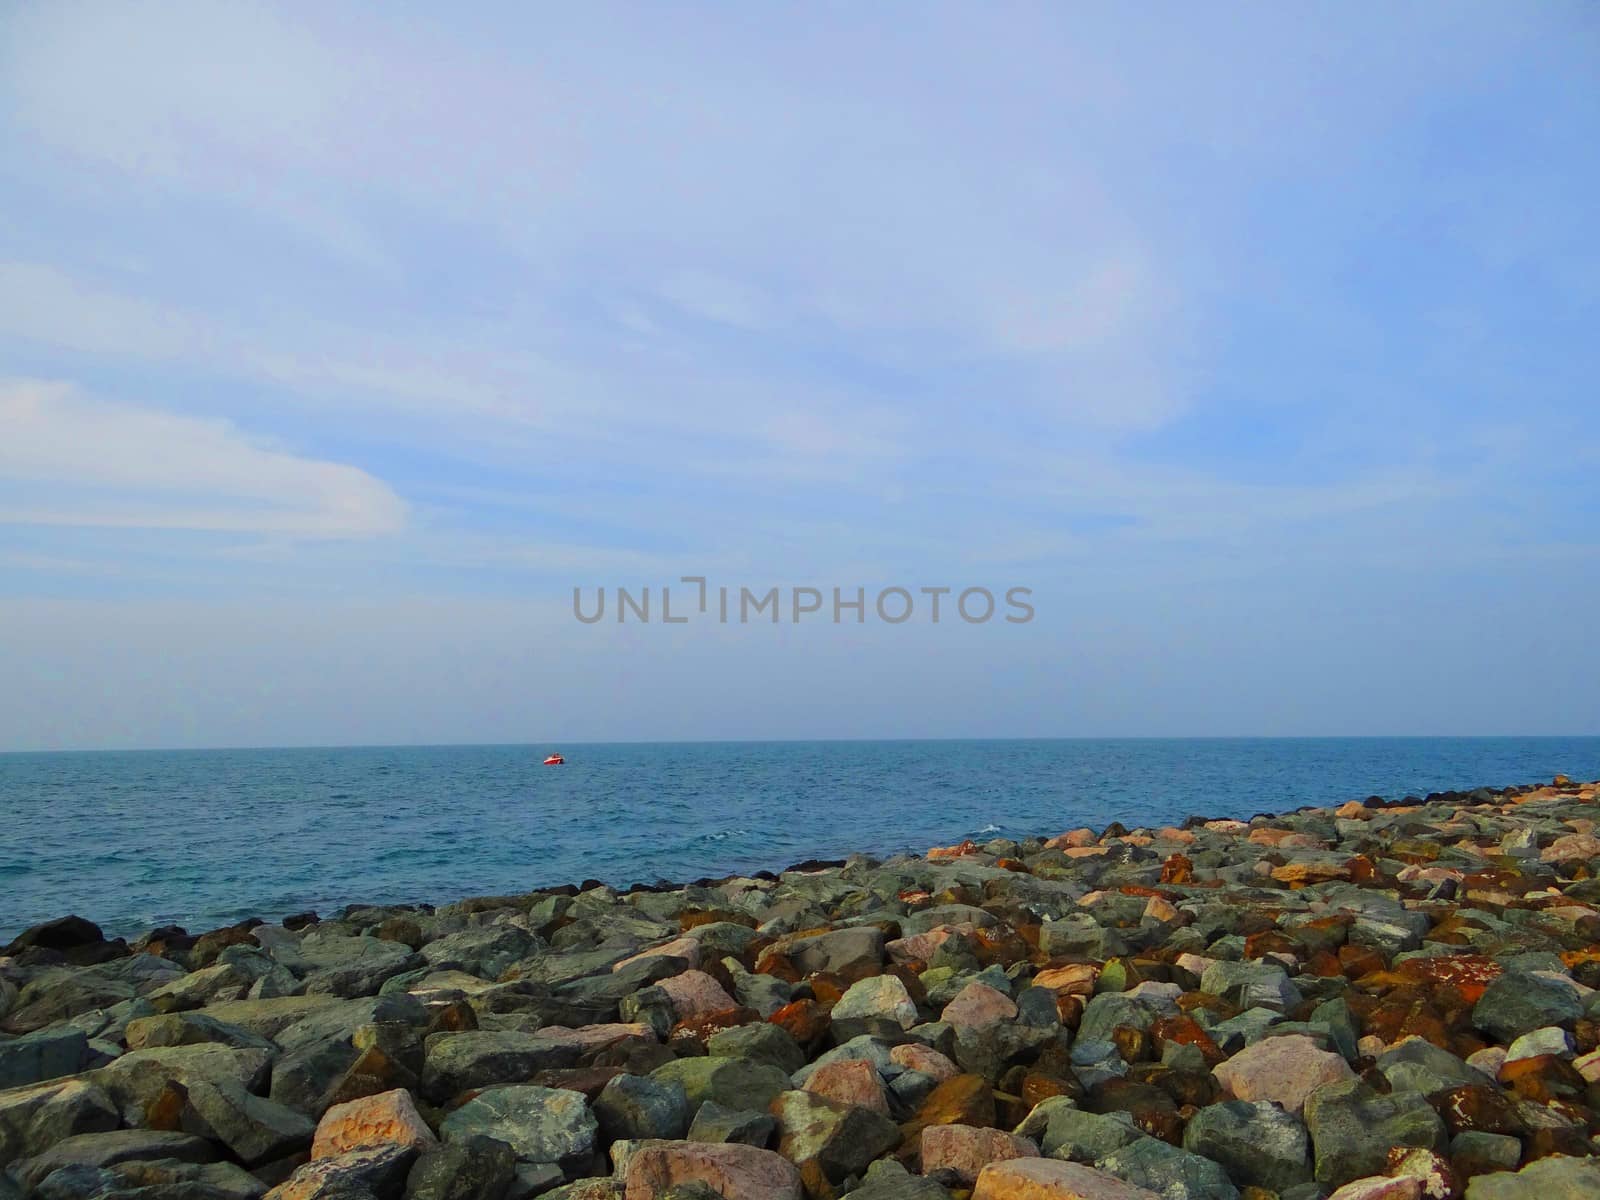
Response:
column 1048, row 1179
column 853, row 1082
column 963, row 1100
column 1074, row 979
column 702, row 1027
column 1177, row 869
column 1186, row 1031
column 389, row 1119
column 946, row 853
column 805, row 1020
column 965, row 1150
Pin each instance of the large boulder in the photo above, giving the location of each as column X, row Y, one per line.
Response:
column 1257, row 1143
column 457, row 1062
column 542, row 1125
column 1352, row 1128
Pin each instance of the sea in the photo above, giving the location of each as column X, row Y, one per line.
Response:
column 203, row 838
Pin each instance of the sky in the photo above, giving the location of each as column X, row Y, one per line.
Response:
column 336, row 350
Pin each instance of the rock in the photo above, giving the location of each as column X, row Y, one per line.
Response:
column 874, row 1005
column 713, row 1123
column 1380, row 1187
column 731, row 1082
column 352, row 1176
column 188, row 1029
column 842, row 952
column 1257, row 1143
column 1417, row 1065
column 1250, row 985
column 1539, row 1042
column 964, row 1150
column 1284, row 1070
column 387, row 1119
column 636, row 1107
column 116, row 1146
column 1063, row 1130
column 47, row 1054
column 164, row 1177
column 695, row 994
column 1168, row 1171
column 136, row 1079
column 760, row 1042
column 1473, row 1153
column 457, row 1062
column 542, row 1125
column 1517, row 1003
column 851, row 1082
column 253, row 1128
column 1352, row 1128
column 1547, row 1179
column 733, row 1171
column 888, row 1180
column 35, row 1118
column 1045, row 1179
column 924, row 1060
column 64, row 934
column 840, row 1139
column 475, row 1167
column 978, row 1006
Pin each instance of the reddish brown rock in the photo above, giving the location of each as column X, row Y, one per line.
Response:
column 853, row 1082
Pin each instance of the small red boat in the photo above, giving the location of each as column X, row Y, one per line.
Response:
column 555, row 760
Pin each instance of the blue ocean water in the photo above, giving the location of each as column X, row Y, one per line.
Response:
column 207, row 837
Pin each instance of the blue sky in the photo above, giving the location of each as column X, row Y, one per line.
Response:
column 334, row 352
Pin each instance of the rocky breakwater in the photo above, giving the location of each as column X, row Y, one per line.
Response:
column 1374, row 1002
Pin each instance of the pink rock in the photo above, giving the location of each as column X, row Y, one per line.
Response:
column 1195, row 964
column 1282, row 1069
column 1159, row 909
column 1572, row 846
column 1380, row 1187
column 733, row 1171
column 683, row 947
column 1074, row 979
column 696, row 994
column 978, row 1006
column 387, row 1119
column 967, row 1150
column 1048, row 1179
column 590, row 1038
column 919, row 947
column 914, row 1056
column 1489, row 1060
column 852, row 1082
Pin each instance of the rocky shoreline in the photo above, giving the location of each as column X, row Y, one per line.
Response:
column 1381, row 1001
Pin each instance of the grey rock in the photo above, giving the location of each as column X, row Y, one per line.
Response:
column 115, row 1146
column 1257, row 1143
column 1169, row 1172
column 713, row 1123
column 47, row 1054
column 1516, row 1003
column 731, row 1082
column 637, row 1106
column 459, row 1061
column 356, row 1175
column 138, row 1077
column 759, row 1041
column 888, row 1180
column 837, row 951
column 34, row 1118
column 1420, row 1066
column 542, row 1125
column 190, row 1029
column 1352, row 1128
column 1546, row 1179
column 1251, row 985
column 254, row 1129
column 1065, row 1131
column 476, row 1167
column 1493, row 1149
column 841, row 1138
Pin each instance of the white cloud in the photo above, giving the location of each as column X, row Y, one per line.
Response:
column 79, row 461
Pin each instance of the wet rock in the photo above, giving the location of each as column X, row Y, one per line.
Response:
column 1284, row 1070
column 542, row 1125
column 1257, row 1143
column 638, row 1107
column 733, row 1171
